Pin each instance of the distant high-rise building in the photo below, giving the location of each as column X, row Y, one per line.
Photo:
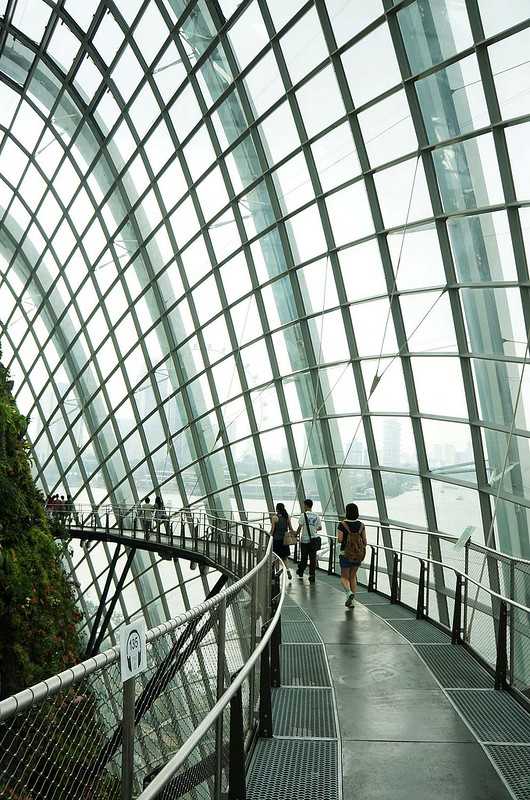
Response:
column 391, row 455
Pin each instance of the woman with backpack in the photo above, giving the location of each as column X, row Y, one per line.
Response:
column 282, row 531
column 351, row 534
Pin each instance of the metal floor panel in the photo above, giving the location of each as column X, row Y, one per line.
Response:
column 372, row 599
column 303, row 713
column 393, row 611
column 514, row 765
column 494, row 716
column 304, row 665
column 419, row 631
column 294, row 614
column 454, row 667
column 301, row 632
column 293, row 769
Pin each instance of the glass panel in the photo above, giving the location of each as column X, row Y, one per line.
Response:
column 449, row 450
column 394, row 441
column 372, row 57
column 433, row 377
column 468, row 174
column 387, row 129
column 433, row 32
column 452, row 101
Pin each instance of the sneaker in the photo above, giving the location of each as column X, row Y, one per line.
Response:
column 300, row 577
column 289, row 574
column 350, row 602
column 311, row 579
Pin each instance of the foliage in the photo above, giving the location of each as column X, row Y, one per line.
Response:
column 38, row 616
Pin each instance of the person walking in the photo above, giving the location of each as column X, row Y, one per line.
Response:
column 160, row 515
column 281, row 526
column 308, row 524
column 70, row 510
column 351, row 534
column 147, row 516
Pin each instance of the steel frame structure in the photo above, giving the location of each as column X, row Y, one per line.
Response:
column 170, row 421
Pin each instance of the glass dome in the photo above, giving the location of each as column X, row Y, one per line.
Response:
column 256, row 251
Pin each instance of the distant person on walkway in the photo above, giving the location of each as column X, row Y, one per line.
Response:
column 308, row 525
column 160, row 514
column 281, row 525
column 147, row 516
column 351, row 534
column 70, row 509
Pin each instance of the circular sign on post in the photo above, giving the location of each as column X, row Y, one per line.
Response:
column 133, row 650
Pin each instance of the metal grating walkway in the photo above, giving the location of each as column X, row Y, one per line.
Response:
column 294, row 769
column 301, row 761
column 303, row 712
column 300, row 633
column 494, row 716
column 304, row 665
column 419, row 631
column 513, row 764
column 499, row 723
column 454, row 667
column 293, row 614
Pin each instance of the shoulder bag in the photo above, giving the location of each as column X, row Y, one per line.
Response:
column 314, row 541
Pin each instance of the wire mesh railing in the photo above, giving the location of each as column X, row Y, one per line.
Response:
column 65, row 737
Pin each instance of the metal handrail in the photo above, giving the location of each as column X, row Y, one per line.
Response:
column 51, row 686
column 457, row 572
column 476, row 546
column 174, row 513
column 169, row 770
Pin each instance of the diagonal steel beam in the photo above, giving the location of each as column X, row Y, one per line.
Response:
column 119, row 586
column 8, row 19
column 103, row 599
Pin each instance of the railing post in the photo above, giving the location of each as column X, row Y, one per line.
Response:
column 275, row 640
column 265, row 700
column 456, row 635
column 221, row 640
column 371, row 574
column 420, row 606
column 229, row 550
column 331, row 562
column 466, row 572
column 240, row 558
column 377, row 558
column 127, row 758
column 237, row 784
column 394, row 588
column 501, row 666
column 511, row 665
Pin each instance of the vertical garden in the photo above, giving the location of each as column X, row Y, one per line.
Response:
column 38, row 617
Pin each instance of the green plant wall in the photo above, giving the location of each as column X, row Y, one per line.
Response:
column 38, row 616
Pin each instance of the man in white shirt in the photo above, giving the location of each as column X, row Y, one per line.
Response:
column 147, row 516
column 309, row 524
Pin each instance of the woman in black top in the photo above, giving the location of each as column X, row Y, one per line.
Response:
column 351, row 534
column 281, row 523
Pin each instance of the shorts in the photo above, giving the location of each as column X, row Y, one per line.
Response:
column 281, row 549
column 345, row 563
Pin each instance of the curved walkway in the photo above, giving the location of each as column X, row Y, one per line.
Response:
column 400, row 734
